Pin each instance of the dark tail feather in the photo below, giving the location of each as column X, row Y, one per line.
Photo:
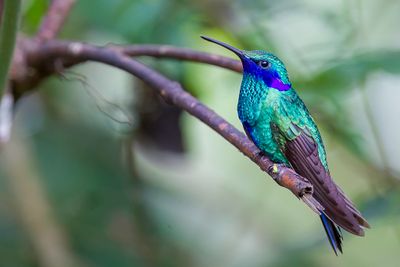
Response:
column 333, row 232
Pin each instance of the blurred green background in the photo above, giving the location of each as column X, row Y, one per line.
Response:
column 101, row 172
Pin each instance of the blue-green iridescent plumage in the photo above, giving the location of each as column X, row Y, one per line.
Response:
column 279, row 123
column 262, row 108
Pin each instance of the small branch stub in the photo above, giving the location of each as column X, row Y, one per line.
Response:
column 55, row 18
column 286, row 177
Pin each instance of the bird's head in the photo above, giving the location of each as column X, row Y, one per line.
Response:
column 260, row 65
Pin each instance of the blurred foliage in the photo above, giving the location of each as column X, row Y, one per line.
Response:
column 33, row 14
column 120, row 197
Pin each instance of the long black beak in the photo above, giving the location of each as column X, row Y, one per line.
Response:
column 229, row 47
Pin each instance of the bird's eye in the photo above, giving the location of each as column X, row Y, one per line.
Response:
column 263, row 64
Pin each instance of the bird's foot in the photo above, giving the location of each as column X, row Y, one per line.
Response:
column 261, row 154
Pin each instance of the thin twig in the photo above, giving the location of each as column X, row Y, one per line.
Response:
column 173, row 93
column 167, row 51
column 54, row 19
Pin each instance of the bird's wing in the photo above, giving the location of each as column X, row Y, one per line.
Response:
column 297, row 140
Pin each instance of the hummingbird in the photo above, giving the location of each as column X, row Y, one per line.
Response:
column 280, row 125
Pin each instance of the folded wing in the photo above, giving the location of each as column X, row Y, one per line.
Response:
column 302, row 153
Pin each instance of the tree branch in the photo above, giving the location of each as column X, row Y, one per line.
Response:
column 54, row 19
column 167, row 51
column 173, row 93
column 35, row 65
